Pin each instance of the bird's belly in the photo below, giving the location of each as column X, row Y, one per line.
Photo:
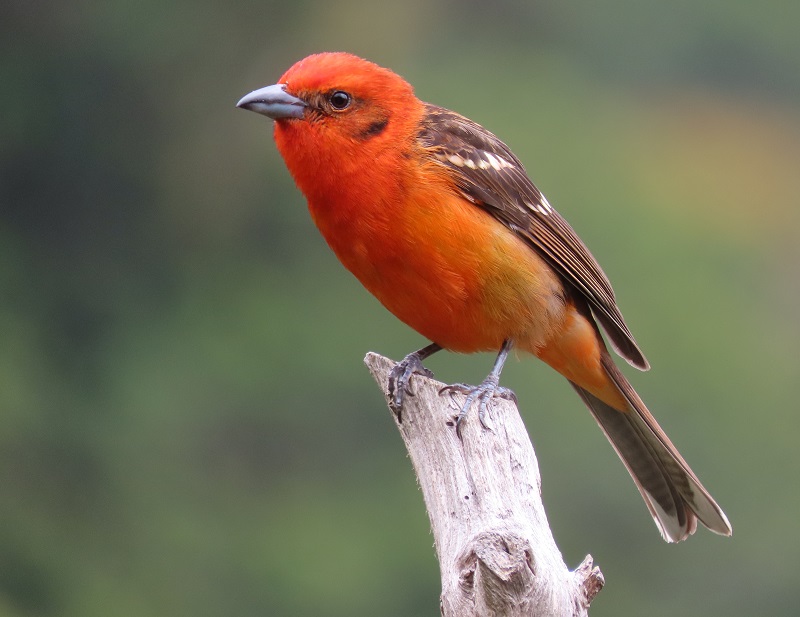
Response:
column 457, row 276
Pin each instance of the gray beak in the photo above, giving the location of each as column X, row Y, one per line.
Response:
column 273, row 102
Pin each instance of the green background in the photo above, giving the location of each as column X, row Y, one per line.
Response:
column 186, row 427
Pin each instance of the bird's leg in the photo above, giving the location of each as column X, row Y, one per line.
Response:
column 400, row 377
column 485, row 391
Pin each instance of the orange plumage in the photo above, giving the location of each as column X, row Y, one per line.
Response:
column 438, row 219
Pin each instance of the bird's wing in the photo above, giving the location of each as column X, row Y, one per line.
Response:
column 488, row 174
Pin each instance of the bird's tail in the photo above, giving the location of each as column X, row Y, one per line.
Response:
column 673, row 494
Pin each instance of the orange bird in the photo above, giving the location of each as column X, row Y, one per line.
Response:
column 438, row 220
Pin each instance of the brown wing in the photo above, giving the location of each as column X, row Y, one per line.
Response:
column 488, row 174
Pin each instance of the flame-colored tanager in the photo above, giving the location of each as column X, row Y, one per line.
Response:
column 438, row 219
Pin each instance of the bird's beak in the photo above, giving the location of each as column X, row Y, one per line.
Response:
column 273, row 102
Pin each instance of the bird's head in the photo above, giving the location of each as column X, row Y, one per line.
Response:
column 340, row 121
column 337, row 94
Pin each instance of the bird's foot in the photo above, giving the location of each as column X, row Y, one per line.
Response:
column 400, row 381
column 482, row 394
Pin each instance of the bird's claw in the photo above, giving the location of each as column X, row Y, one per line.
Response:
column 400, row 381
column 482, row 393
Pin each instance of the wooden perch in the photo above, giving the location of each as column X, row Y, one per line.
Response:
column 496, row 552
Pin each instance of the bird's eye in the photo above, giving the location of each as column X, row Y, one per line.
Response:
column 340, row 100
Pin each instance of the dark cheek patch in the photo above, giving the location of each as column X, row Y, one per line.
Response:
column 374, row 128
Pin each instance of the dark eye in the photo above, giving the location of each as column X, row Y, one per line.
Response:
column 340, row 100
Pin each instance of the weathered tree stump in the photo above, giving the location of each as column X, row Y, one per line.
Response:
column 496, row 552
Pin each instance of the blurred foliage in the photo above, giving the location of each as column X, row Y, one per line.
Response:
column 186, row 425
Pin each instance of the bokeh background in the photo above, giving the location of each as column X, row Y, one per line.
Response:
column 186, row 427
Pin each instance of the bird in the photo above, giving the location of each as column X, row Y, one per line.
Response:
column 439, row 220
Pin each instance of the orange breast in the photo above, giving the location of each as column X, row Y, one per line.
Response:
column 448, row 269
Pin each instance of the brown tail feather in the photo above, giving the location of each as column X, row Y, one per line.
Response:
column 673, row 494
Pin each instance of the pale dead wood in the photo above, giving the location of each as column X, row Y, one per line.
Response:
column 496, row 552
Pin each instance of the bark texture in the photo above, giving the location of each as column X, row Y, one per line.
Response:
column 496, row 552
